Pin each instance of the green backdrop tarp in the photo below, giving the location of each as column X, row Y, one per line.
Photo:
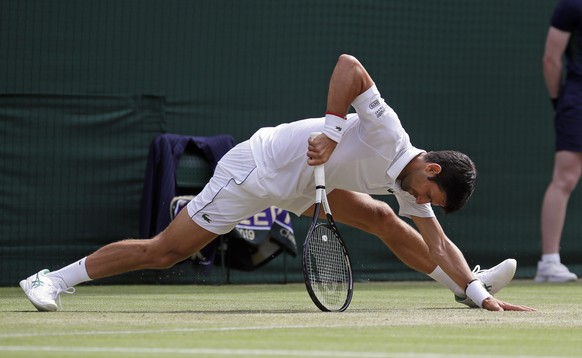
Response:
column 85, row 86
column 71, row 173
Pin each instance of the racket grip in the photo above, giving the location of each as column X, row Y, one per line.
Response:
column 319, row 171
column 319, row 174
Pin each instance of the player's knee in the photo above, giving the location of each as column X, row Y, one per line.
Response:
column 159, row 256
column 165, row 260
column 386, row 222
column 168, row 260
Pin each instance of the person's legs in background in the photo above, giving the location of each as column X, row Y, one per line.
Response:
column 565, row 177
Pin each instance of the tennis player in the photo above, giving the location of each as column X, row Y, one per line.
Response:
column 364, row 153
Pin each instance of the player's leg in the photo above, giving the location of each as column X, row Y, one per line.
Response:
column 182, row 238
column 229, row 197
column 565, row 177
column 377, row 218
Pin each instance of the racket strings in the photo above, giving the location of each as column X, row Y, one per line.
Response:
column 328, row 270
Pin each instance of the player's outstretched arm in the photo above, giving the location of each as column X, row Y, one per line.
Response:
column 451, row 260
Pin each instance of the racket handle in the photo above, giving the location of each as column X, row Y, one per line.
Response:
column 319, row 174
column 319, row 171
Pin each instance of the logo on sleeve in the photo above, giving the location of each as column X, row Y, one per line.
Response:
column 391, row 191
column 206, row 218
column 380, row 112
column 374, row 104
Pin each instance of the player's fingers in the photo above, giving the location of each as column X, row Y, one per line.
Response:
column 510, row 307
column 492, row 304
column 319, row 150
column 312, row 161
column 315, row 161
column 493, row 307
column 317, row 157
column 313, row 155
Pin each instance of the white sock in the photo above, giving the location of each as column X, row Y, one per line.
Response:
column 441, row 277
column 73, row 274
column 551, row 257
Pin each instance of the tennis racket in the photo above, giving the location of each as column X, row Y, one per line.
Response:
column 326, row 264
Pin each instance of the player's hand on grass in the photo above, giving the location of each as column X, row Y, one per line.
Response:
column 319, row 149
column 494, row 304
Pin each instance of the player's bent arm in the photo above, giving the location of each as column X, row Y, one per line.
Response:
column 349, row 79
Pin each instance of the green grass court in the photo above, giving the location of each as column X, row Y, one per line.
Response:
column 389, row 319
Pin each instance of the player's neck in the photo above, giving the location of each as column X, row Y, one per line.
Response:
column 415, row 164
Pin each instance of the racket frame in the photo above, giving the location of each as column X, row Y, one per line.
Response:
column 321, row 199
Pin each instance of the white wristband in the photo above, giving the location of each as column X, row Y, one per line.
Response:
column 334, row 126
column 477, row 292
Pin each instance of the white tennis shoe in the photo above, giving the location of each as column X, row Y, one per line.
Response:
column 554, row 272
column 44, row 291
column 493, row 279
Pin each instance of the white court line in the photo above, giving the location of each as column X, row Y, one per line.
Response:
column 172, row 330
column 251, row 352
column 181, row 330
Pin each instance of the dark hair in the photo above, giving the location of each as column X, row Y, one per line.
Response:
column 457, row 178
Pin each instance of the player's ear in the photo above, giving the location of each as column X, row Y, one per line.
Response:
column 433, row 169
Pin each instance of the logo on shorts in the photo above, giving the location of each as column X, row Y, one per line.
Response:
column 206, row 218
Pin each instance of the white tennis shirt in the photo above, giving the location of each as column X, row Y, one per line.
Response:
column 373, row 151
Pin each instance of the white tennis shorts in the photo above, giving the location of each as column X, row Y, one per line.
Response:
column 237, row 191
